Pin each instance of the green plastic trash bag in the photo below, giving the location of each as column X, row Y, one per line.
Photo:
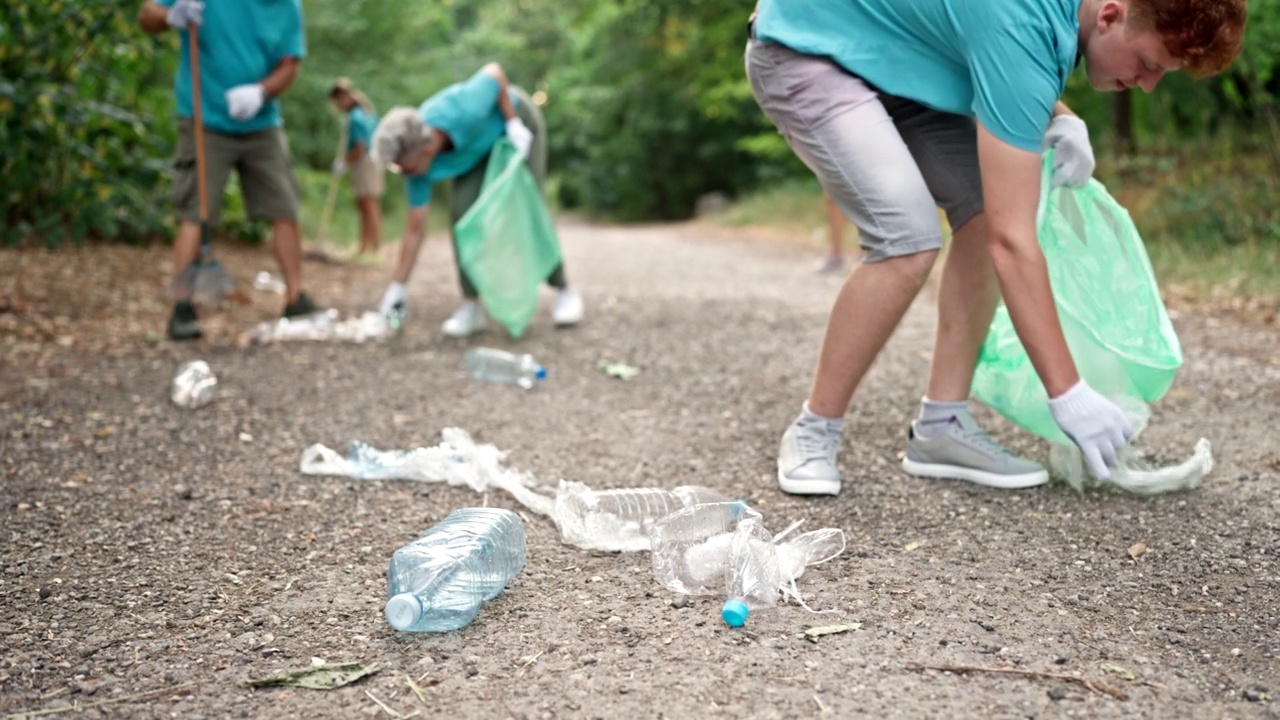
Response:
column 1108, row 303
column 506, row 241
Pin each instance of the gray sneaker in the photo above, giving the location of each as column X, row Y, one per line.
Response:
column 807, row 459
column 962, row 451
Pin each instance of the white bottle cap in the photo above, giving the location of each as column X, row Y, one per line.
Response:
column 403, row 611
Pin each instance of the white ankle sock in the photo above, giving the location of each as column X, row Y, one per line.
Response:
column 935, row 414
column 834, row 424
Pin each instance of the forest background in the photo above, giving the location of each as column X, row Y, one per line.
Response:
column 648, row 109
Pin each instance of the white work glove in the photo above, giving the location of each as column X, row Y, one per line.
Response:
column 339, row 167
column 1095, row 424
column 521, row 136
column 244, row 101
column 394, row 305
column 1072, row 154
column 185, row 13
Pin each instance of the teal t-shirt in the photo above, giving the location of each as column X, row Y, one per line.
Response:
column 241, row 42
column 1004, row 62
column 468, row 113
column 360, row 125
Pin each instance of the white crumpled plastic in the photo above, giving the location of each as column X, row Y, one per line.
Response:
column 457, row 460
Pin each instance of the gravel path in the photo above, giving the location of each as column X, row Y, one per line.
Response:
column 148, row 548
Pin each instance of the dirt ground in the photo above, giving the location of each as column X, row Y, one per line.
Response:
column 154, row 558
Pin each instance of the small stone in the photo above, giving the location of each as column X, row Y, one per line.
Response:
column 1057, row 693
column 45, row 592
column 1257, row 693
column 1060, row 660
column 183, row 492
column 680, row 602
column 987, row 625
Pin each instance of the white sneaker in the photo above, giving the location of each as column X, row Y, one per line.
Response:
column 568, row 308
column 807, row 459
column 466, row 321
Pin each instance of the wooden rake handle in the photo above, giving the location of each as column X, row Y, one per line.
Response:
column 197, row 113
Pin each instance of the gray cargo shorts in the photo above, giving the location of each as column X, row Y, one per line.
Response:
column 888, row 162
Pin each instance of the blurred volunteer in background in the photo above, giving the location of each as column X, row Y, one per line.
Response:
column 366, row 175
column 449, row 137
column 249, row 53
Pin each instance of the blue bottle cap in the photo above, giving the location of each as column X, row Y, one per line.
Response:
column 541, row 374
column 735, row 612
column 403, row 611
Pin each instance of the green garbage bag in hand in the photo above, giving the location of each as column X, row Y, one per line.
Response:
column 506, row 241
column 1109, row 305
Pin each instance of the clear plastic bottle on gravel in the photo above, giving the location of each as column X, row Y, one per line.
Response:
column 691, row 546
column 754, row 574
column 620, row 519
column 723, row 549
column 194, row 386
column 438, row 582
column 504, row 368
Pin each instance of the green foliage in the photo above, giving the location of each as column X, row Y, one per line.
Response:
column 82, row 152
column 651, row 109
column 647, row 104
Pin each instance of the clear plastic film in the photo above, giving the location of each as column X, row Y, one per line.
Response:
column 458, row 460
column 325, row 325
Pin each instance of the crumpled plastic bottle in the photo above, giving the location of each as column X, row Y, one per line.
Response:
column 619, row 519
column 194, row 386
column 724, row 549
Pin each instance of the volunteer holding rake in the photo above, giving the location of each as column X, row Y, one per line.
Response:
column 449, row 137
column 248, row 55
column 899, row 106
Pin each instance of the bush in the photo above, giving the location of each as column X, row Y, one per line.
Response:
column 84, row 99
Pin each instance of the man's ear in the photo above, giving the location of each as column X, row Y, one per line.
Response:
column 1111, row 14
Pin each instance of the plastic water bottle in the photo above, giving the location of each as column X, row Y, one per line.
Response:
column 754, row 574
column 438, row 582
column 620, row 519
column 690, row 548
column 504, row 368
column 194, row 386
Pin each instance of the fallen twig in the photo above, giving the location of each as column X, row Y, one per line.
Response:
column 388, row 710
column 531, row 661
column 1094, row 685
column 77, row 707
column 417, row 690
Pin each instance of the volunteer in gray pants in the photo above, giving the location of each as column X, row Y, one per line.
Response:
column 450, row 137
column 899, row 106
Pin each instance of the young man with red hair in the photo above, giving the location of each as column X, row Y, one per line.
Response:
column 899, row 106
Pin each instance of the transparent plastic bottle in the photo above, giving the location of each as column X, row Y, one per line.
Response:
column 504, row 368
column 620, row 519
column 690, row 547
column 438, row 582
column 754, row 574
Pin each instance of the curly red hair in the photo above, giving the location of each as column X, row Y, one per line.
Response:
column 1204, row 34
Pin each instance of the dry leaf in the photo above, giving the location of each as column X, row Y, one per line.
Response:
column 319, row 677
column 813, row 633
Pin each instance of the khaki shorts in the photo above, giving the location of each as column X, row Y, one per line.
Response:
column 366, row 178
column 887, row 161
column 267, row 182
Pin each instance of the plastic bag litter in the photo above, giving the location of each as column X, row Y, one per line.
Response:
column 1115, row 324
column 506, row 241
column 1109, row 305
column 325, row 325
column 457, row 460
column 1133, row 474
